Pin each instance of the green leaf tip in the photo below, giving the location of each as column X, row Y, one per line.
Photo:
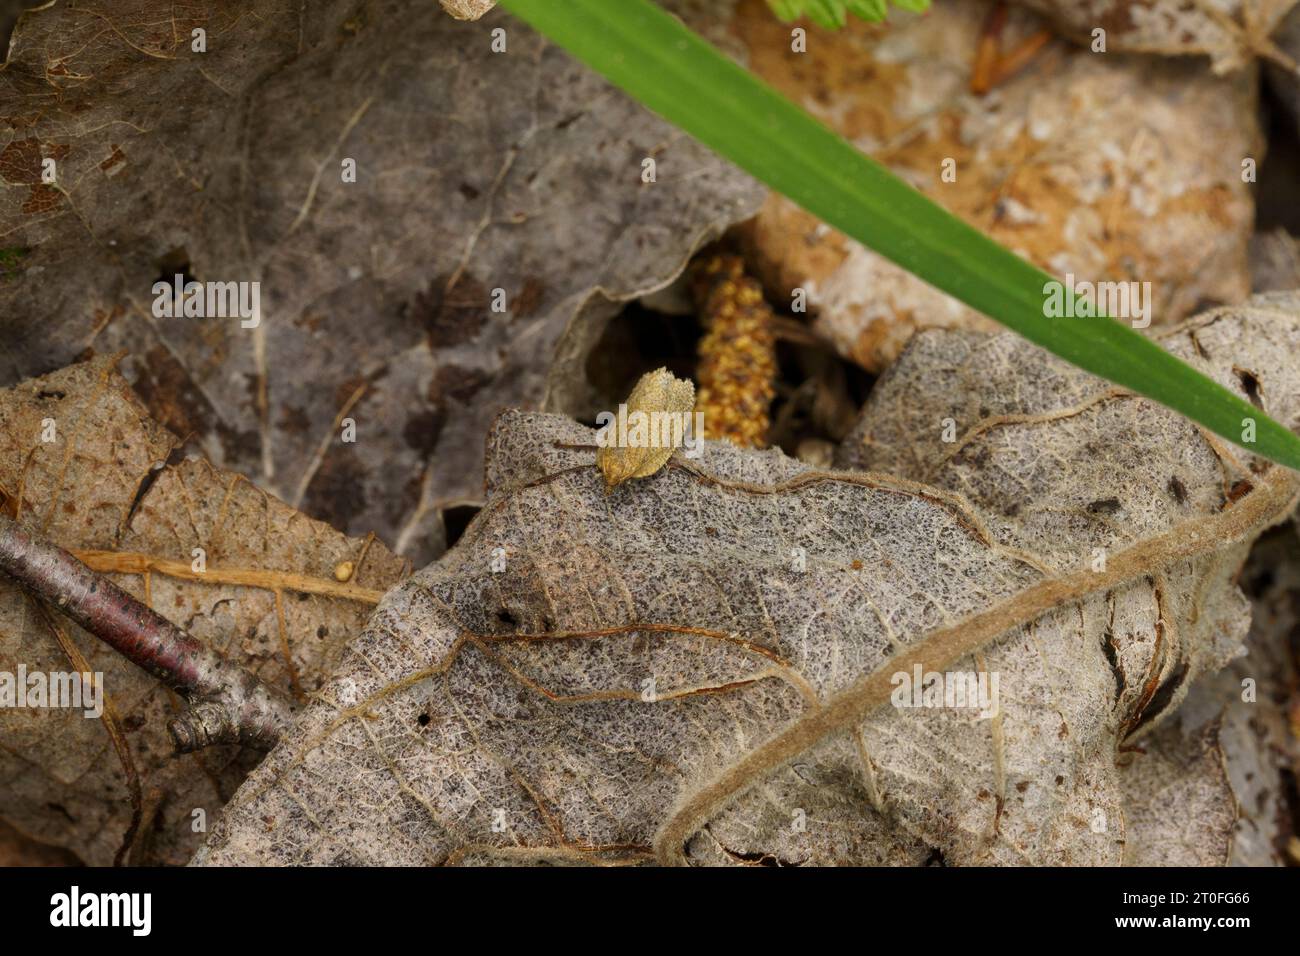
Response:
column 834, row 14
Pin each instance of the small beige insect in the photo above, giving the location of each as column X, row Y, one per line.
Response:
column 656, row 396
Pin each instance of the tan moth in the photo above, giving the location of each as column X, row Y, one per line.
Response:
column 649, row 427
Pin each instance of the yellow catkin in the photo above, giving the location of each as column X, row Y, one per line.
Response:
column 737, row 355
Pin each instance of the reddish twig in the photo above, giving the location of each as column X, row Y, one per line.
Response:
column 227, row 704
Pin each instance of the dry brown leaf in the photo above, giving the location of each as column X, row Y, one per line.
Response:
column 475, row 171
column 1179, row 805
column 1251, row 700
column 996, row 397
column 700, row 666
column 1105, row 167
column 267, row 598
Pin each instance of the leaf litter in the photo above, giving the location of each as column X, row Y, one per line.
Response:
column 652, row 676
column 111, row 487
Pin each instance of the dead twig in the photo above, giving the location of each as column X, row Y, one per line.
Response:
column 227, row 704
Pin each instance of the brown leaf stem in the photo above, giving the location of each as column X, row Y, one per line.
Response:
column 131, row 562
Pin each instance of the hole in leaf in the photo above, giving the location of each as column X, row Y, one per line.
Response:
column 1108, row 648
column 1249, row 384
column 456, row 519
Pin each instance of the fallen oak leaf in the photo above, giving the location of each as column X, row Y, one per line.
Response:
column 983, row 433
column 380, row 244
column 248, row 575
column 112, row 724
column 977, row 433
column 940, row 649
column 1178, row 802
column 1248, row 702
column 697, row 670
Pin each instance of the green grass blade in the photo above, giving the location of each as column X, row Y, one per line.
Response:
column 662, row 63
